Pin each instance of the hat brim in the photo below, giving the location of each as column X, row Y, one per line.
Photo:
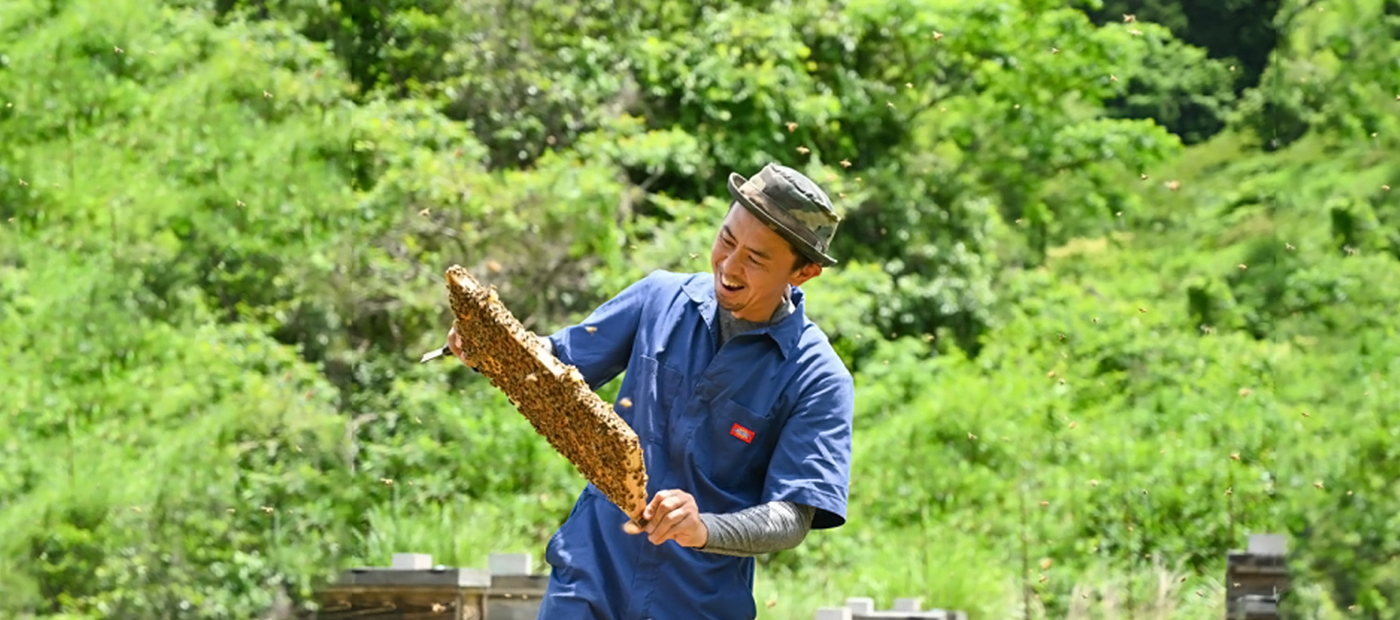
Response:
column 760, row 211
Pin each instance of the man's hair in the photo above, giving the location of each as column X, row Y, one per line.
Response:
column 801, row 262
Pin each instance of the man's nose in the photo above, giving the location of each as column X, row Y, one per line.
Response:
column 724, row 261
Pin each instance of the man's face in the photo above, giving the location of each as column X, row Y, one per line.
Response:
column 753, row 266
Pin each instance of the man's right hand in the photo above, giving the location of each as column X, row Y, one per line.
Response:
column 454, row 342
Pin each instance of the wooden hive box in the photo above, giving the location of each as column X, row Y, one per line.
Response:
column 413, row 589
column 1256, row 580
column 516, row 591
column 405, row 594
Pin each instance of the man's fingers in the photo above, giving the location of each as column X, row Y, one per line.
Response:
column 671, row 503
column 671, row 525
column 660, row 529
column 661, row 504
column 675, row 517
column 665, row 501
column 631, row 528
column 654, row 506
column 671, row 514
column 454, row 344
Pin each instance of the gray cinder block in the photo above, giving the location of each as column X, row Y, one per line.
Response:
column 1268, row 544
column 907, row 604
column 834, row 613
column 860, row 604
column 509, row 563
column 412, row 561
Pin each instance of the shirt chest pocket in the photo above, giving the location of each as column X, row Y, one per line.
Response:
column 732, row 446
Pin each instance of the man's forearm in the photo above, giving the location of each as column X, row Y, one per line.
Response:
column 765, row 528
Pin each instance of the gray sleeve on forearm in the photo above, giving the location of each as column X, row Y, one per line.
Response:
column 765, row 528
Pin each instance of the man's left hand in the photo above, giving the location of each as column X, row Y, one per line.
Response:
column 672, row 515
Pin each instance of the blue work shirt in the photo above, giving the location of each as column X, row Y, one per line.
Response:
column 766, row 417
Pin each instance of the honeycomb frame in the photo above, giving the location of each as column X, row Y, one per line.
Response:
column 552, row 395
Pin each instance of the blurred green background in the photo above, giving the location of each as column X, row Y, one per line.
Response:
column 1119, row 284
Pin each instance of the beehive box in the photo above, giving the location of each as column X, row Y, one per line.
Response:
column 413, row 588
column 441, row 594
column 1257, row 580
column 552, row 395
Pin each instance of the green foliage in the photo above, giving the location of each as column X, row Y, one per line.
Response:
column 1180, row 87
column 1240, row 30
column 1334, row 72
column 1083, row 352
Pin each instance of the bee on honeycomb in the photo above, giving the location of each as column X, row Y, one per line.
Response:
column 553, row 396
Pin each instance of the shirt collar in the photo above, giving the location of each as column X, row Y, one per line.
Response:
column 784, row 333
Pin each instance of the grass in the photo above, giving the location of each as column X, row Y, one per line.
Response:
column 962, row 580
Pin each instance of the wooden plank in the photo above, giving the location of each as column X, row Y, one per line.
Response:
column 449, row 578
column 520, row 584
column 515, row 597
column 1251, row 561
column 1247, row 576
column 507, row 607
column 385, row 603
column 1251, row 610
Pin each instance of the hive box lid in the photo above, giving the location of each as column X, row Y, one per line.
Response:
column 432, row 577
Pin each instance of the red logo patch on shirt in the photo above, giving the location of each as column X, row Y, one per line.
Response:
column 742, row 433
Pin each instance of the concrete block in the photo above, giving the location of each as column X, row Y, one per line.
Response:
column 509, row 563
column 834, row 613
column 1268, row 544
column 412, row 561
column 907, row 604
column 860, row 605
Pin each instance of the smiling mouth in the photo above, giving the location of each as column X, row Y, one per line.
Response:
column 730, row 285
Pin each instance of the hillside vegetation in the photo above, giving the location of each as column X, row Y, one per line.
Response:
column 1117, row 293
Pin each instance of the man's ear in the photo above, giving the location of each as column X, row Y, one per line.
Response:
column 807, row 272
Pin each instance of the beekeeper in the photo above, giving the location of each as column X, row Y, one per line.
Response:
column 742, row 407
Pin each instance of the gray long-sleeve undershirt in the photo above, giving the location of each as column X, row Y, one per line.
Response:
column 765, row 528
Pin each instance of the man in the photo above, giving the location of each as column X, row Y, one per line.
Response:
column 742, row 408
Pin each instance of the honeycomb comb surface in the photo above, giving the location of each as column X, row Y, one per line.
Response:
column 552, row 395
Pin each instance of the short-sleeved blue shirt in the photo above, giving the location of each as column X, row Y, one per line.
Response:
column 767, row 417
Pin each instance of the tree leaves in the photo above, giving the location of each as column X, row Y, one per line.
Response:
column 223, row 228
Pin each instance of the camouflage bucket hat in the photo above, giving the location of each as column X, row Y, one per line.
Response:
column 793, row 206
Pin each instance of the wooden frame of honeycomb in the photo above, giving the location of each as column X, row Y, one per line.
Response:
column 552, row 395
